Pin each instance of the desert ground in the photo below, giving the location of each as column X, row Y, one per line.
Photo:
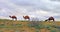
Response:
column 28, row 26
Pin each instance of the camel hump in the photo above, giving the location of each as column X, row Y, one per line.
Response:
column 51, row 17
column 26, row 16
column 14, row 16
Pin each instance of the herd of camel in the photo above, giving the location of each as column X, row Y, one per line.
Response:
column 27, row 17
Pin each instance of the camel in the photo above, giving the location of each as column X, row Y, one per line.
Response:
column 50, row 18
column 26, row 17
column 13, row 17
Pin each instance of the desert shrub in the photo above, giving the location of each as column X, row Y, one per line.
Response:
column 53, row 31
column 37, row 26
column 16, row 25
column 2, row 25
column 48, row 27
column 58, row 27
column 17, row 31
column 29, row 25
column 37, row 30
column 33, row 23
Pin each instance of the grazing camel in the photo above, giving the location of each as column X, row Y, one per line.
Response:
column 13, row 17
column 26, row 17
column 50, row 18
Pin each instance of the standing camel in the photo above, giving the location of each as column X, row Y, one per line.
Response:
column 13, row 17
column 26, row 17
column 50, row 18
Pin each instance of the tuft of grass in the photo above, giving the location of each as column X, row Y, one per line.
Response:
column 53, row 31
column 38, row 26
column 48, row 27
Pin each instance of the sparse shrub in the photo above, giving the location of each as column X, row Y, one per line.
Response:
column 48, row 27
column 2, row 25
column 13, row 24
column 33, row 23
column 53, row 31
column 36, row 25
column 29, row 25
column 58, row 27
column 37, row 30
column 39, row 26
column 17, row 31
column 18, row 25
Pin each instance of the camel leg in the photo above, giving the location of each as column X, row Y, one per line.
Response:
column 16, row 19
column 29, row 19
column 53, row 20
column 46, row 20
column 49, row 20
column 25, row 19
column 12, row 18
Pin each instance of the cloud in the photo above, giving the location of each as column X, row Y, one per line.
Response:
column 55, row 0
column 41, row 9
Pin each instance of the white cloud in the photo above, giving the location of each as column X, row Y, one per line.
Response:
column 33, row 8
column 41, row 12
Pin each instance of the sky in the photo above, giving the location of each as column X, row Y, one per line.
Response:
column 41, row 9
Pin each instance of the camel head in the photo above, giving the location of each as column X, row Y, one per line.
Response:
column 10, row 16
column 23, row 16
column 46, row 20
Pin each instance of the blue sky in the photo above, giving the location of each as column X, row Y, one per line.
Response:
column 41, row 9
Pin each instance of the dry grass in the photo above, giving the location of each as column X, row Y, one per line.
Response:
column 23, row 26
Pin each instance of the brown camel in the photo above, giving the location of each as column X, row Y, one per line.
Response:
column 13, row 17
column 26, row 17
column 50, row 18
